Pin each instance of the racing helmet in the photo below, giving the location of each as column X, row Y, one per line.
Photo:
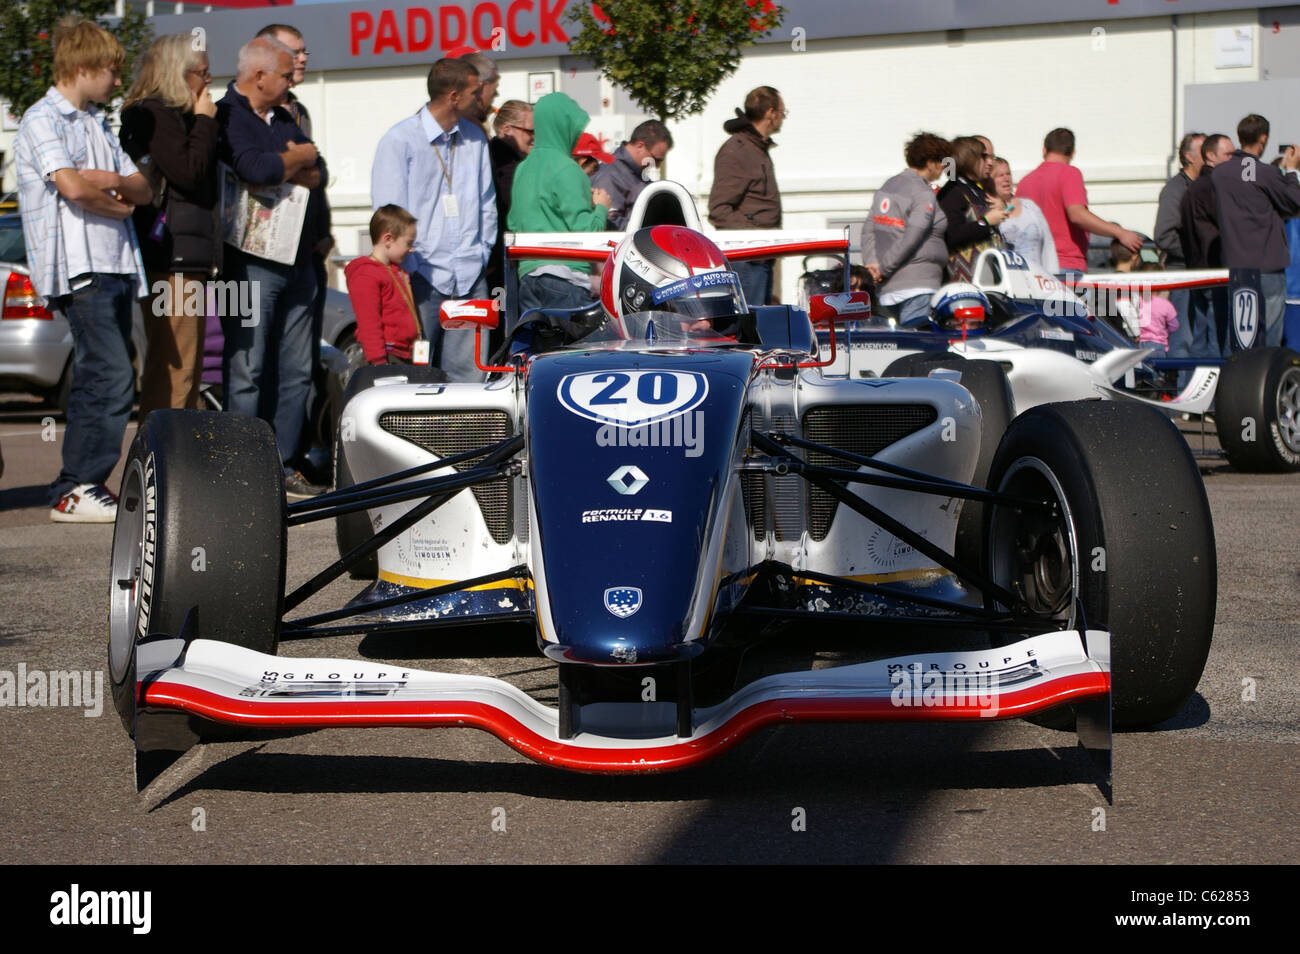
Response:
column 670, row 268
column 958, row 305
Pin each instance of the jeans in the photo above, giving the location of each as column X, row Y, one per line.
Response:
column 451, row 351
column 550, row 291
column 103, row 384
column 266, row 365
column 918, row 306
column 1180, row 339
column 1210, row 322
column 755, row 281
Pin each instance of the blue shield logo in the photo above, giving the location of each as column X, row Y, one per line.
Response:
column 623, row 601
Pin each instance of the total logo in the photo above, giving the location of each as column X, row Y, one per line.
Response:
column 628, row 480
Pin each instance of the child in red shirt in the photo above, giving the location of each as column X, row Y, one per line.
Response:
column 387, row 319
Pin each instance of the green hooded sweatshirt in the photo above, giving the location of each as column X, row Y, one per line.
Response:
column 551, row 193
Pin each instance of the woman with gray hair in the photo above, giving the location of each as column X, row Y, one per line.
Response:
column 169, row 128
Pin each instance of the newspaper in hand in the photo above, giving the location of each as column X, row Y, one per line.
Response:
column 263, row 221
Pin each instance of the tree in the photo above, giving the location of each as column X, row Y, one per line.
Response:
column 670, row 57
column 27, row 53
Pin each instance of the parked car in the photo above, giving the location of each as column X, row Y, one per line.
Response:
column 1099, row 253
column 36, row 344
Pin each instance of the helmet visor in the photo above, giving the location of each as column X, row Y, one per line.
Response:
column 712, row 294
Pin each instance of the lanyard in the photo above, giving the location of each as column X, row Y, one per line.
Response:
column 403, row 290
column 451, row 153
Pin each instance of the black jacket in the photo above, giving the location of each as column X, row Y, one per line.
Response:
column 321, row 223
column 180, row 148
column 964, row 203
column 1252, row 199
column 1200, row 231
column 504, row 158
column 252, row 148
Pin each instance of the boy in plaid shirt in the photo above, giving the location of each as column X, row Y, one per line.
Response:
column 77, row 190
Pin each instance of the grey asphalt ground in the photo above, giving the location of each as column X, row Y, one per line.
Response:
column 1218, row 784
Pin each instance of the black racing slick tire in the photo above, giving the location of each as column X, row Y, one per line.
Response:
column 200, row 523
column 1257, row 410
column 353, row 529
column 1131, row 550
column 988, row 384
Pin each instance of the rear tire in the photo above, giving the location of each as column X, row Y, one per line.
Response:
column 988, row 384
column 1257, row 410
column 1133, row 549
column 200, row 523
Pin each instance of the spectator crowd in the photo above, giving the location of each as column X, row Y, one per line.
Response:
column 111, row 218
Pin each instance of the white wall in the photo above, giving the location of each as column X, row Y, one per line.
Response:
column 854, row 103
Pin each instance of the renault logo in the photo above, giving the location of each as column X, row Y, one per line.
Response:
column 628, row 480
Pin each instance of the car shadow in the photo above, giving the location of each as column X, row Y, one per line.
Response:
column 1194, row 715
column 888, row 765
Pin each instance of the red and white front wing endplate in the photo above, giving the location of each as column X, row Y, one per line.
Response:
column 228, row 684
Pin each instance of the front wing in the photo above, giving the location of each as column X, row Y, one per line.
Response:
column 226, row 684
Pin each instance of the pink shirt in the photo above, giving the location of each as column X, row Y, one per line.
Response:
column 1157, row 318
column 1056, row 186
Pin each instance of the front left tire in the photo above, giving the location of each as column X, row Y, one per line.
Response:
column 200, row 524
column 1130, row 549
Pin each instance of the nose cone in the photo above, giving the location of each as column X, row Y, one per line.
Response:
column 629, row 457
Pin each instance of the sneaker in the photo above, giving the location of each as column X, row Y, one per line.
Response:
column 296, row 486
column 86, row 503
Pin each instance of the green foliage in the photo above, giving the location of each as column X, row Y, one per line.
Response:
column 27, row 54
column 670, row 57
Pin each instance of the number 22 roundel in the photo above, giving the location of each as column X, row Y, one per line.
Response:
column 632, row 398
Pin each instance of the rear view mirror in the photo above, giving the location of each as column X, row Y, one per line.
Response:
column 470, row 313
column 844, row 306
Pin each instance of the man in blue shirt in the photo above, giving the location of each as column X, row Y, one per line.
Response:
column 435, row 165
column 264, row 146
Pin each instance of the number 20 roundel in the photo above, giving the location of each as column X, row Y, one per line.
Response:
column 632, row 398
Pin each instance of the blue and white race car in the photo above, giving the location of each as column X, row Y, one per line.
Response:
column 648, row 486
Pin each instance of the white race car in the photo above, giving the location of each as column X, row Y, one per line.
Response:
column 647, row 488
column 1051, row 345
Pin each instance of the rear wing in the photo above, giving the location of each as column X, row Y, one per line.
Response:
column 1008, row 273
column 1156, row 281
column 738, row 246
